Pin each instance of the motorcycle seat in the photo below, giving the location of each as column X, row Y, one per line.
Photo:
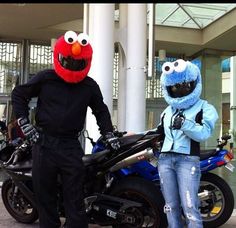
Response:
column 90, row 159
column 128, row 140
column 205, row 154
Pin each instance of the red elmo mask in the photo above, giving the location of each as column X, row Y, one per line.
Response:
column 72, row 56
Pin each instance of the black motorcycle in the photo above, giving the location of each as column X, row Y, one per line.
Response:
column 125, row 202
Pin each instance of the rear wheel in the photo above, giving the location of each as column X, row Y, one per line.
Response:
column 151, row 213
column 17, row 204
column 216, row 208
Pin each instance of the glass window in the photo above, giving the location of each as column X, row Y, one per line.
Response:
column 10, row 66
column 225, row 65
column 190, row 15
column 197, row 62
column 40, row 58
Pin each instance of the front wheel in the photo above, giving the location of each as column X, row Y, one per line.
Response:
column 217, row 207
column 17, row 204
column 151, row 214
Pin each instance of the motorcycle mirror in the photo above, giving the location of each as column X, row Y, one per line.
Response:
column 115, row 128
column 86, row 134
column 226, row 137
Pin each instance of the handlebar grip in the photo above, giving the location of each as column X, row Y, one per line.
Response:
column 120, row 133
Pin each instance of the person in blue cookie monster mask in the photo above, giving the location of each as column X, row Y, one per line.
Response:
column 187, row 121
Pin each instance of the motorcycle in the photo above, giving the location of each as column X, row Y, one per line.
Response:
column 215, row 194
column 117, row 202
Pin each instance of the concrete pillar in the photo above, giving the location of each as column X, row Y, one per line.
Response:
column 212, row 91
column 102, row 39
column 86, row 18
column 122, row 41
column 101, row 33
column 136, row 66
column 151, row 40
column 233, row 99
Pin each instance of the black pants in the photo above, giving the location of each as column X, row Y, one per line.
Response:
column 51, row 157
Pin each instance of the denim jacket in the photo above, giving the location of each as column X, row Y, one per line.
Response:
column 186, row 139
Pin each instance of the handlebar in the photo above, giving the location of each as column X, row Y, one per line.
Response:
column 223, row 141
column 120, row 133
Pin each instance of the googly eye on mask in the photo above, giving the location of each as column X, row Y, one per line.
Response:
column 70, row 37
column 167, row 68
column 83, row 39
column 180, row 65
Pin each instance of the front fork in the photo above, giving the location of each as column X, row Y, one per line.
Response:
column 18, row 180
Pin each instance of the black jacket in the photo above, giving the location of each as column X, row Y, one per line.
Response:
column 61, row 107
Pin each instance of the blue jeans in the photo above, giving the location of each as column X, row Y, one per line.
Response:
column 180, row 178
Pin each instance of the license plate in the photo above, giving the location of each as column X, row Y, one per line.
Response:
column 230, row 166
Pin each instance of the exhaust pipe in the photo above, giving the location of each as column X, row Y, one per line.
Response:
column 143, row 155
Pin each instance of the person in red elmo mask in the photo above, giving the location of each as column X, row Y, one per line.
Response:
column 64, row 94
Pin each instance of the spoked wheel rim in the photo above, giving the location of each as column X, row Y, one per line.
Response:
column 145, row 215
column 213, row 207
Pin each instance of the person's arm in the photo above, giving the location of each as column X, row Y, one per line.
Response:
column 201, row 132
column 22, row 94
column 9, row 129
column 103, row 117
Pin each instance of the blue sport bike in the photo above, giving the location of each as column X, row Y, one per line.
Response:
column 215, row 194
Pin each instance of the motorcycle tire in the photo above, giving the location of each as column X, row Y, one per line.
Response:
column 217, row 209
column 17, row 206
column 145, row 192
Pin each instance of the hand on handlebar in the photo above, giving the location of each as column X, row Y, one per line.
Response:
column 112, row 141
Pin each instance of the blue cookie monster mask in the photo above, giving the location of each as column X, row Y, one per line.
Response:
column 181, row 83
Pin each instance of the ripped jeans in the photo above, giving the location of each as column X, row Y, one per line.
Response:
column 180, row 178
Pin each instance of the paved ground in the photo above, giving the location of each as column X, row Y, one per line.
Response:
column 231, row 222
column 6, row 221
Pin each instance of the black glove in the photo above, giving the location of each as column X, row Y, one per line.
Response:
column 178, row 121
column 28, row 130
column 112, row 140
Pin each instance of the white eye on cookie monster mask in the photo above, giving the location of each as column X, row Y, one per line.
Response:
column 181, row 82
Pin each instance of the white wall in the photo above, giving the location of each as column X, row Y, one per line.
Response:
column 226, row 82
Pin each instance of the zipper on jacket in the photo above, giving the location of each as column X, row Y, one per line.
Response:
column 171, row 128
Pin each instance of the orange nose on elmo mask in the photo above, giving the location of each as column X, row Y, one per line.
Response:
column 72, row 57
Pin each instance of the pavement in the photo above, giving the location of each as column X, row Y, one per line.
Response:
column 6, row 221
